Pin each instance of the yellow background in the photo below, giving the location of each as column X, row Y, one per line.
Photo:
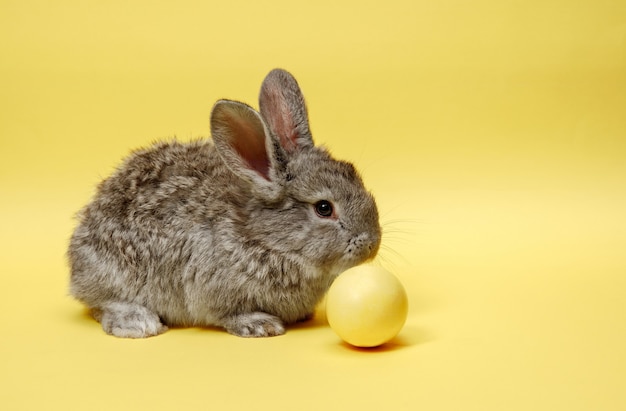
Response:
column 493, row 134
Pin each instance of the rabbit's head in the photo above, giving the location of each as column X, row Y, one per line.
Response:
column 302, row 200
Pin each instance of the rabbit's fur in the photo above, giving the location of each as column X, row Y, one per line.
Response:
column 228, row 233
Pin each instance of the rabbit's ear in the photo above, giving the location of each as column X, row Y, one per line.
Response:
column 240, row 138
column 283, row 108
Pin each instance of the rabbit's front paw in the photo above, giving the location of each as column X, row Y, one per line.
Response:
column 127, row 320
column 255, row 324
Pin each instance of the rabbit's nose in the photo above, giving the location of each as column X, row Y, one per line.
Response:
column 373, row 247
column 364, row 246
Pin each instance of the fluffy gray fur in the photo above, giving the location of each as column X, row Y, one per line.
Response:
column 223, row 233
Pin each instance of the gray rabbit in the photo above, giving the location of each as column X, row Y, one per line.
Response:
column 245, row 233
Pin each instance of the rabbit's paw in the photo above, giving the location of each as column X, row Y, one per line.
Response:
column 255, row 324
column 127, row 320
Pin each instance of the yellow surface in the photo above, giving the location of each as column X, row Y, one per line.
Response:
column 492, row 133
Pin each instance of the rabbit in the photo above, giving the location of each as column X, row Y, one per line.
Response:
column 245, row 232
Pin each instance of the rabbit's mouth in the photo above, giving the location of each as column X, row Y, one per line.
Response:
column 361, row 248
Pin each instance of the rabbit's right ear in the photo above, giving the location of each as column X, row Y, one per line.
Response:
column 284, row 110
column 240, row 138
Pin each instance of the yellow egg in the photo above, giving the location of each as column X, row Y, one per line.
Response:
column 366, row 306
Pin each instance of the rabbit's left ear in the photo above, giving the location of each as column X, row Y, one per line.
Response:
column 240, row 138
column 283, row 108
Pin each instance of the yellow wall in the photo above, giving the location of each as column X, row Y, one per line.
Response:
column 493, row 134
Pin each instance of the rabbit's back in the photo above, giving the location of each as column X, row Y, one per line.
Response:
column 157, row 184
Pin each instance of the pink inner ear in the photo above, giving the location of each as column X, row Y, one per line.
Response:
column 278, row 114
column 250, row 145
column 283, row 126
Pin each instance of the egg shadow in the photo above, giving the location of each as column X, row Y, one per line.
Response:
column 409, row 337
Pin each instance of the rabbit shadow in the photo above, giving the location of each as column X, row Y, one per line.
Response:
column 408, row 337
column 317, row 320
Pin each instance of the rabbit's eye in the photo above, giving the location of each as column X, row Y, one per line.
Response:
column 324, row 208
